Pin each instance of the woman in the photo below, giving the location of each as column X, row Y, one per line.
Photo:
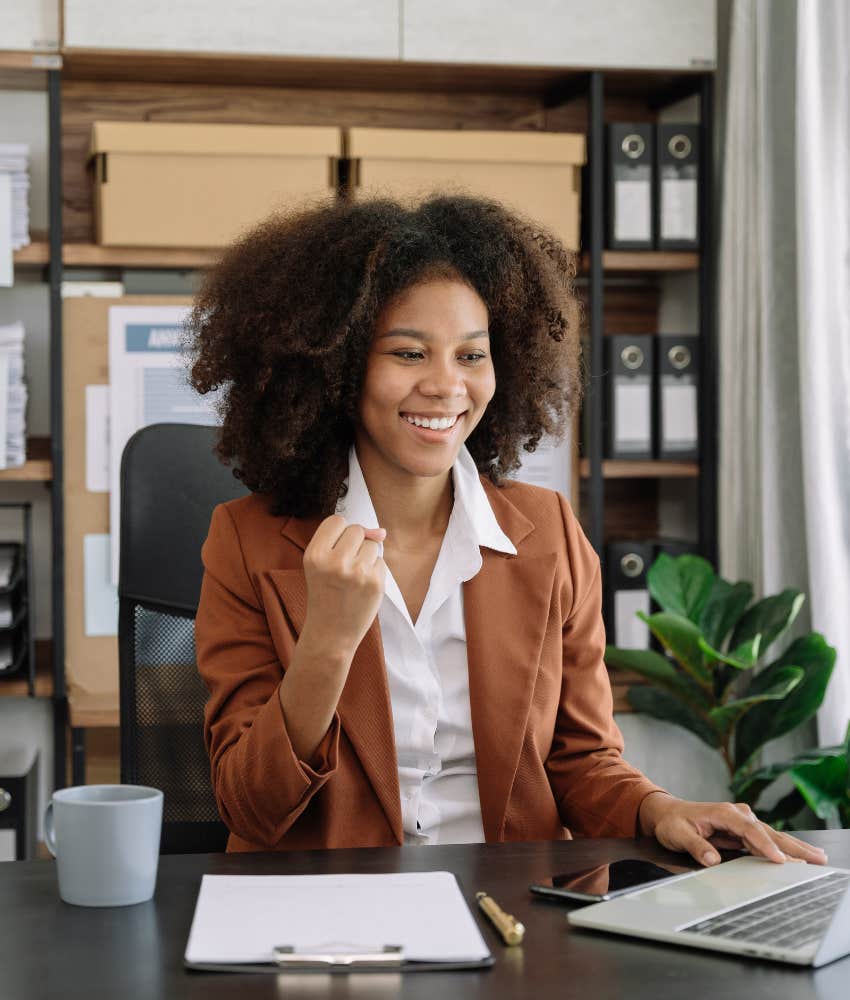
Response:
column 400, row 644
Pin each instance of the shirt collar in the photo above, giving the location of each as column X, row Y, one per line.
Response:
column 471, row 502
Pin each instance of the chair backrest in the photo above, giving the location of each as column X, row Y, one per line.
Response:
column 170, row 482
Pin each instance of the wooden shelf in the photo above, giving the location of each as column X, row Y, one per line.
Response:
column 320, row 73
column 27, row 70
column 614, row 469
column 37, row 254
column 17, row 686
column 94, row 712
column 643, row 260
column 91, row 255
column 38, row 467
column 190, row 258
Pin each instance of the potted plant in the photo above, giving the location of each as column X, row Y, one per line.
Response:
column 821, row 779
column 716, row 678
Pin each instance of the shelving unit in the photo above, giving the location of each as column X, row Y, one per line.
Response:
column 621, row 289
column 41, row 72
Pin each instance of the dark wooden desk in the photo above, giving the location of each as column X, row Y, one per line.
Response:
column 49, row 949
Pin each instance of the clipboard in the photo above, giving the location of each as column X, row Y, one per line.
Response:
column 334, row 924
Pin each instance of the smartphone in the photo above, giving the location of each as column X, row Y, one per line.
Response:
column 594, row 885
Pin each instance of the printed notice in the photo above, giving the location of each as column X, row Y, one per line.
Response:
column 148, row 384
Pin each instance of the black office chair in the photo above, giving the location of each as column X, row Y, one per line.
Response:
column 170, row 482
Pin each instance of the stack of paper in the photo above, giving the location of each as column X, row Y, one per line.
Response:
column 14, row 164
column 13, row 397
column 14, row 206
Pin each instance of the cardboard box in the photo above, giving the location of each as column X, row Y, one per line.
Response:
column 535, row 173
column 91, row 662
column 202, row 185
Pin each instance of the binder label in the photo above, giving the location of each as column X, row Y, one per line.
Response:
column 632, row 211
column 678, row 209
column 679, row 415
column 633, row 413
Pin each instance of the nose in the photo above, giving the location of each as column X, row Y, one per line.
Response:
column 443, row 379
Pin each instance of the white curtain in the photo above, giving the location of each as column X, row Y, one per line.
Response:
column 823, row 269
column 784, row 343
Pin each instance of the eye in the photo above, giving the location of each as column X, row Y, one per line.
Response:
column 407, row 355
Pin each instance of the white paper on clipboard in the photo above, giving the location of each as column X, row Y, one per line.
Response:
column 242, row 918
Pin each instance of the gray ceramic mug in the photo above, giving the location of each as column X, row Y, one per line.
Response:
column 105, row 839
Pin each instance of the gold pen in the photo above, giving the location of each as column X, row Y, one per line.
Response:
column 511, row 929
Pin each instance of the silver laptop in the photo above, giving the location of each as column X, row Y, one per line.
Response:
column 795, row 912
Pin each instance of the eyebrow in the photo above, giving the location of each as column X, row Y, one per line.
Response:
column 421, row 335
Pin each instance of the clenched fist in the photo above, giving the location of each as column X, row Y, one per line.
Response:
column 345, row 583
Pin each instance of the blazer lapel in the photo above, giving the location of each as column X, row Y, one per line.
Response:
column 506, row 611
column 364, row 705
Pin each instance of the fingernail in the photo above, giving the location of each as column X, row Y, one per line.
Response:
column 710, row 858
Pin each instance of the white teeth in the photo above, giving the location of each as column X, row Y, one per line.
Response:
column 434, row 423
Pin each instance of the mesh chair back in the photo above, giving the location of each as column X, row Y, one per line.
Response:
column 170, row 482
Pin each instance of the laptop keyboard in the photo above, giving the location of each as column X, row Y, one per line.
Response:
column 793, row 918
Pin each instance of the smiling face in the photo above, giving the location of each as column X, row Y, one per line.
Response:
column 430, row 359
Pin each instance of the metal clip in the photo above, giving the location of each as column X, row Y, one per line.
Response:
column 390, row 955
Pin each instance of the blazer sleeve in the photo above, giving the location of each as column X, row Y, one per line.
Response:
column 598, row 793
column 260, row 784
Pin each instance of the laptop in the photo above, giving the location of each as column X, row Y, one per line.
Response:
column 796, row 913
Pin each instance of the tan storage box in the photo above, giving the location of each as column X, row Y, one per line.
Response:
column 201, row 185
column 536, row 173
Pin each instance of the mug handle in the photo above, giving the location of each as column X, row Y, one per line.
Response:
column 49, row 832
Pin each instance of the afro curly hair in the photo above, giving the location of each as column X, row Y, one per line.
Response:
column 282, row 326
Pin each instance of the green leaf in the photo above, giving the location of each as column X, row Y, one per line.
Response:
column 725, row 716
column 824, row 786
column 653, row 667
column 766, row 722
column 770, row 617
column 743, row 781
column 742, row 658
column 681, row 586
column 663, row 705
column 724, row 609
column 682, row 638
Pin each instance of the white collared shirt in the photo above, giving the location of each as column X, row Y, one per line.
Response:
column 427, row 668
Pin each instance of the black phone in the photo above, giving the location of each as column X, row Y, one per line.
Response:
column 594, row 885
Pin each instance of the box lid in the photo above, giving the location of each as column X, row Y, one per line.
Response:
column 434, row 144
column 183, row 138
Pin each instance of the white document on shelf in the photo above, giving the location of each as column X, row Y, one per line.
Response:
column 100, row 594
column 148, row 384
column 243, row 918
column 4, row 408
column 551, row 465
column 97, row 438
column 7, row 273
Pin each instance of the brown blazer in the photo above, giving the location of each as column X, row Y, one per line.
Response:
column 546, row 745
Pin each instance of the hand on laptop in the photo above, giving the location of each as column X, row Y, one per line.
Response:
column 701, row 827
